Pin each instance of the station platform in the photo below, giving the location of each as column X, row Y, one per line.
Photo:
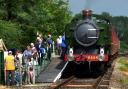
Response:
column 51, row 72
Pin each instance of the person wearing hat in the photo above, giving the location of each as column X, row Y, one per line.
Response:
column 9, row 68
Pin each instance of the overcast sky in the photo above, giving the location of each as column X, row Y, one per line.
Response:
column 114, row 7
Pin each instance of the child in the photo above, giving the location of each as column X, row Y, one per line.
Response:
column 31, row 72
column 17, row 77
column 31, row 76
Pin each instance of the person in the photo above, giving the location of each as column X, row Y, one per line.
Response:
column 18, row 58
column 26, row 54
column 34, row 50
column 49, row 41
column 18, row 71
column 59, row 42
column 42, row 53
column 10, row 68
column 31, row 71
column 39, row 38
column 38, row 44
column 31, row 76
column 64, row 47
column 17, row 77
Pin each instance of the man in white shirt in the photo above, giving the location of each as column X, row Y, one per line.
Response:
column 59, row 42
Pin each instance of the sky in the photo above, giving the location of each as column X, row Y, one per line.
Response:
column 114, row 7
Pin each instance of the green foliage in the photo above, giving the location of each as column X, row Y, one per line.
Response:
column 123, row 64
column 123, row 47
column 10, row 33
column 21, row 19
column 25, row 17
column 54, row 15
column 121, row 22
column 106, row 16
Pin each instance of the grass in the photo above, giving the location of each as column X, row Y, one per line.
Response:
column 123, row 67
column 123, row 62
column 124, row 81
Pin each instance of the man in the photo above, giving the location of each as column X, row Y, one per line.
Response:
column 9, row 68
column 64, row 47
column 26, row 55
column 59, row 42
column 49, row 41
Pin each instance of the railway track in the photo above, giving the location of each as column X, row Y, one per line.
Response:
column 102, row 82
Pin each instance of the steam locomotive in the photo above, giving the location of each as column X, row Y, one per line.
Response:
column 92, row 40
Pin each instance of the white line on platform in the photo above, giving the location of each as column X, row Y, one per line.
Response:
column 59, row 75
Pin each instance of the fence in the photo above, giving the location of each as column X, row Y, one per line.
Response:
column 21, row 72
column 44, row 61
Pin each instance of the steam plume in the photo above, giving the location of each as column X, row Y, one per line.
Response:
column 88, row 4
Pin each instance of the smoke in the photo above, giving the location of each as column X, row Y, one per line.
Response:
column 88, row 4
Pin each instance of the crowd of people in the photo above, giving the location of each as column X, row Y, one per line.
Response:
column 22, row 67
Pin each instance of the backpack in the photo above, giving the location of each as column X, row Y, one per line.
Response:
column 42, row 50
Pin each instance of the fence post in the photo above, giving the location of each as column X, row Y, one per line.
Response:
column 45, row 58
column 20, row 74
column 2, row 67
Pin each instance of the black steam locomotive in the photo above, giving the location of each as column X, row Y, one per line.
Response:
column 92, row 40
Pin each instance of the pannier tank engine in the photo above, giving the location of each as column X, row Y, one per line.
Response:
column 90, row 40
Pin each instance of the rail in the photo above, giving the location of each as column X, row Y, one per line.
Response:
column 102, row 82
column 57, row 86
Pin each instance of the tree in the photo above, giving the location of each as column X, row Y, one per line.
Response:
column 106, row 15
column 10, row 33
column 26, row 17
column 53, row 16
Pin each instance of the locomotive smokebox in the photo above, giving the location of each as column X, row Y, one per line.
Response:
column 86, row 32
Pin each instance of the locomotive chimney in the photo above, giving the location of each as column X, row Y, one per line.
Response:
column 87, row 14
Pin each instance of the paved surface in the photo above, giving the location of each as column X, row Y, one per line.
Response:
column 51, row 72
